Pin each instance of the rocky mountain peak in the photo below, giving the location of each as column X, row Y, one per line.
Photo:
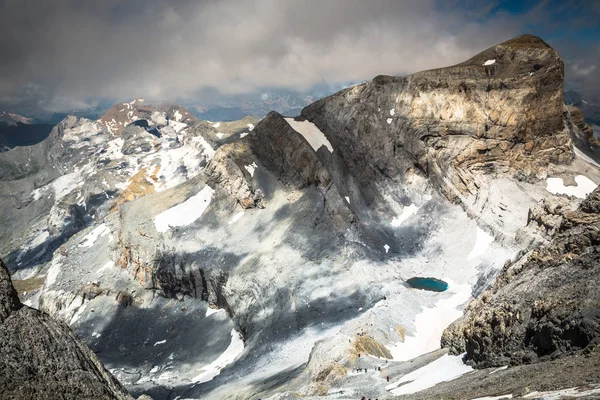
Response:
column 121, row 115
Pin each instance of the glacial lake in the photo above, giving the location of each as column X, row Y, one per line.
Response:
column 433, row 284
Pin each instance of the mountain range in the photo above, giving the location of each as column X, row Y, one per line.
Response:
column 276, row 258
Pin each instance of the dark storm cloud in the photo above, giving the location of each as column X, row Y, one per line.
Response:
column 68, row 54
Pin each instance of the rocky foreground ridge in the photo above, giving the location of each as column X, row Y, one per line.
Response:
column 40, row 358
column 544, row 305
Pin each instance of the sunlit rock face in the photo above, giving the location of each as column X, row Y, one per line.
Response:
column 479, row 115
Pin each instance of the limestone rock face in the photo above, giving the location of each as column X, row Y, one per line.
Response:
column 542, row 306
column 43, row 359
column 499, row 111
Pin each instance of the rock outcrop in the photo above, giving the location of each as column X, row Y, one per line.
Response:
column 499, row 111
column 544, row 305
column 43, row 359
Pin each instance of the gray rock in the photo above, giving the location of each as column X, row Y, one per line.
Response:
column 542, row 306
column 43, row 359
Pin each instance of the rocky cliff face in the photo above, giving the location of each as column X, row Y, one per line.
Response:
column 42, row 358
column 499, row 111
column 542, row 306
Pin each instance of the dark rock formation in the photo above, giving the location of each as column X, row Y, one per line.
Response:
column 286, row 153
column 451, row 122
column 42, row 358
column 543, row 306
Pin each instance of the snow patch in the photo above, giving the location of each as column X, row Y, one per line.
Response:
column 90, row 238
column 387, row 248
column 177, row 116
column 234, row 349
column 347, row 199
column 220, row 135
column 311, row 133
column 407, row 212
column 218, row 124
column 482, row 242
column 389, row 121
column 244, row 134
column 584, row 186
column 160, row 342
column 185, row 213
column 236, row 217
column 489, row 62
column 392, row 112
column 430, row 324
column 250, row 127
column 250, row 168
column 504, row 396
column 443, row 369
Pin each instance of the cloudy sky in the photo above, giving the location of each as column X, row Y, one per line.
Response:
column 69, row 54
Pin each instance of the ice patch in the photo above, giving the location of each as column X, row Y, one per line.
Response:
column 250, row 127
column 236, row 217
column 585, row 158
column 489, row 62
column 392, row 112
column 234, row 349
column 160, row 342
column 211, row 311
column 482, row 242
column 584, row 186
column 504, row 396
column 407, row 212
column 443, row 369
column 311, row 133
column 430, row 324
column 90, row 238
column 185, row 213
column 218, row 124
column 244, row 134
column 250, row 168
column 389, row 121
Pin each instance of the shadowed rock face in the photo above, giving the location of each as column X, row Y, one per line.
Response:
column 42, row 358
column 450, row 122
column 543, row 305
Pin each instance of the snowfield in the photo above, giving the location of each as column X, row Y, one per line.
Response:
column 311, row 133
column 185, row 213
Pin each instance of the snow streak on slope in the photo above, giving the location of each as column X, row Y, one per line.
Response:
column 482, row 242
column 311, row 133
column 443, row 369
column 236, row 347
column 430, row 324
column 186, row 212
